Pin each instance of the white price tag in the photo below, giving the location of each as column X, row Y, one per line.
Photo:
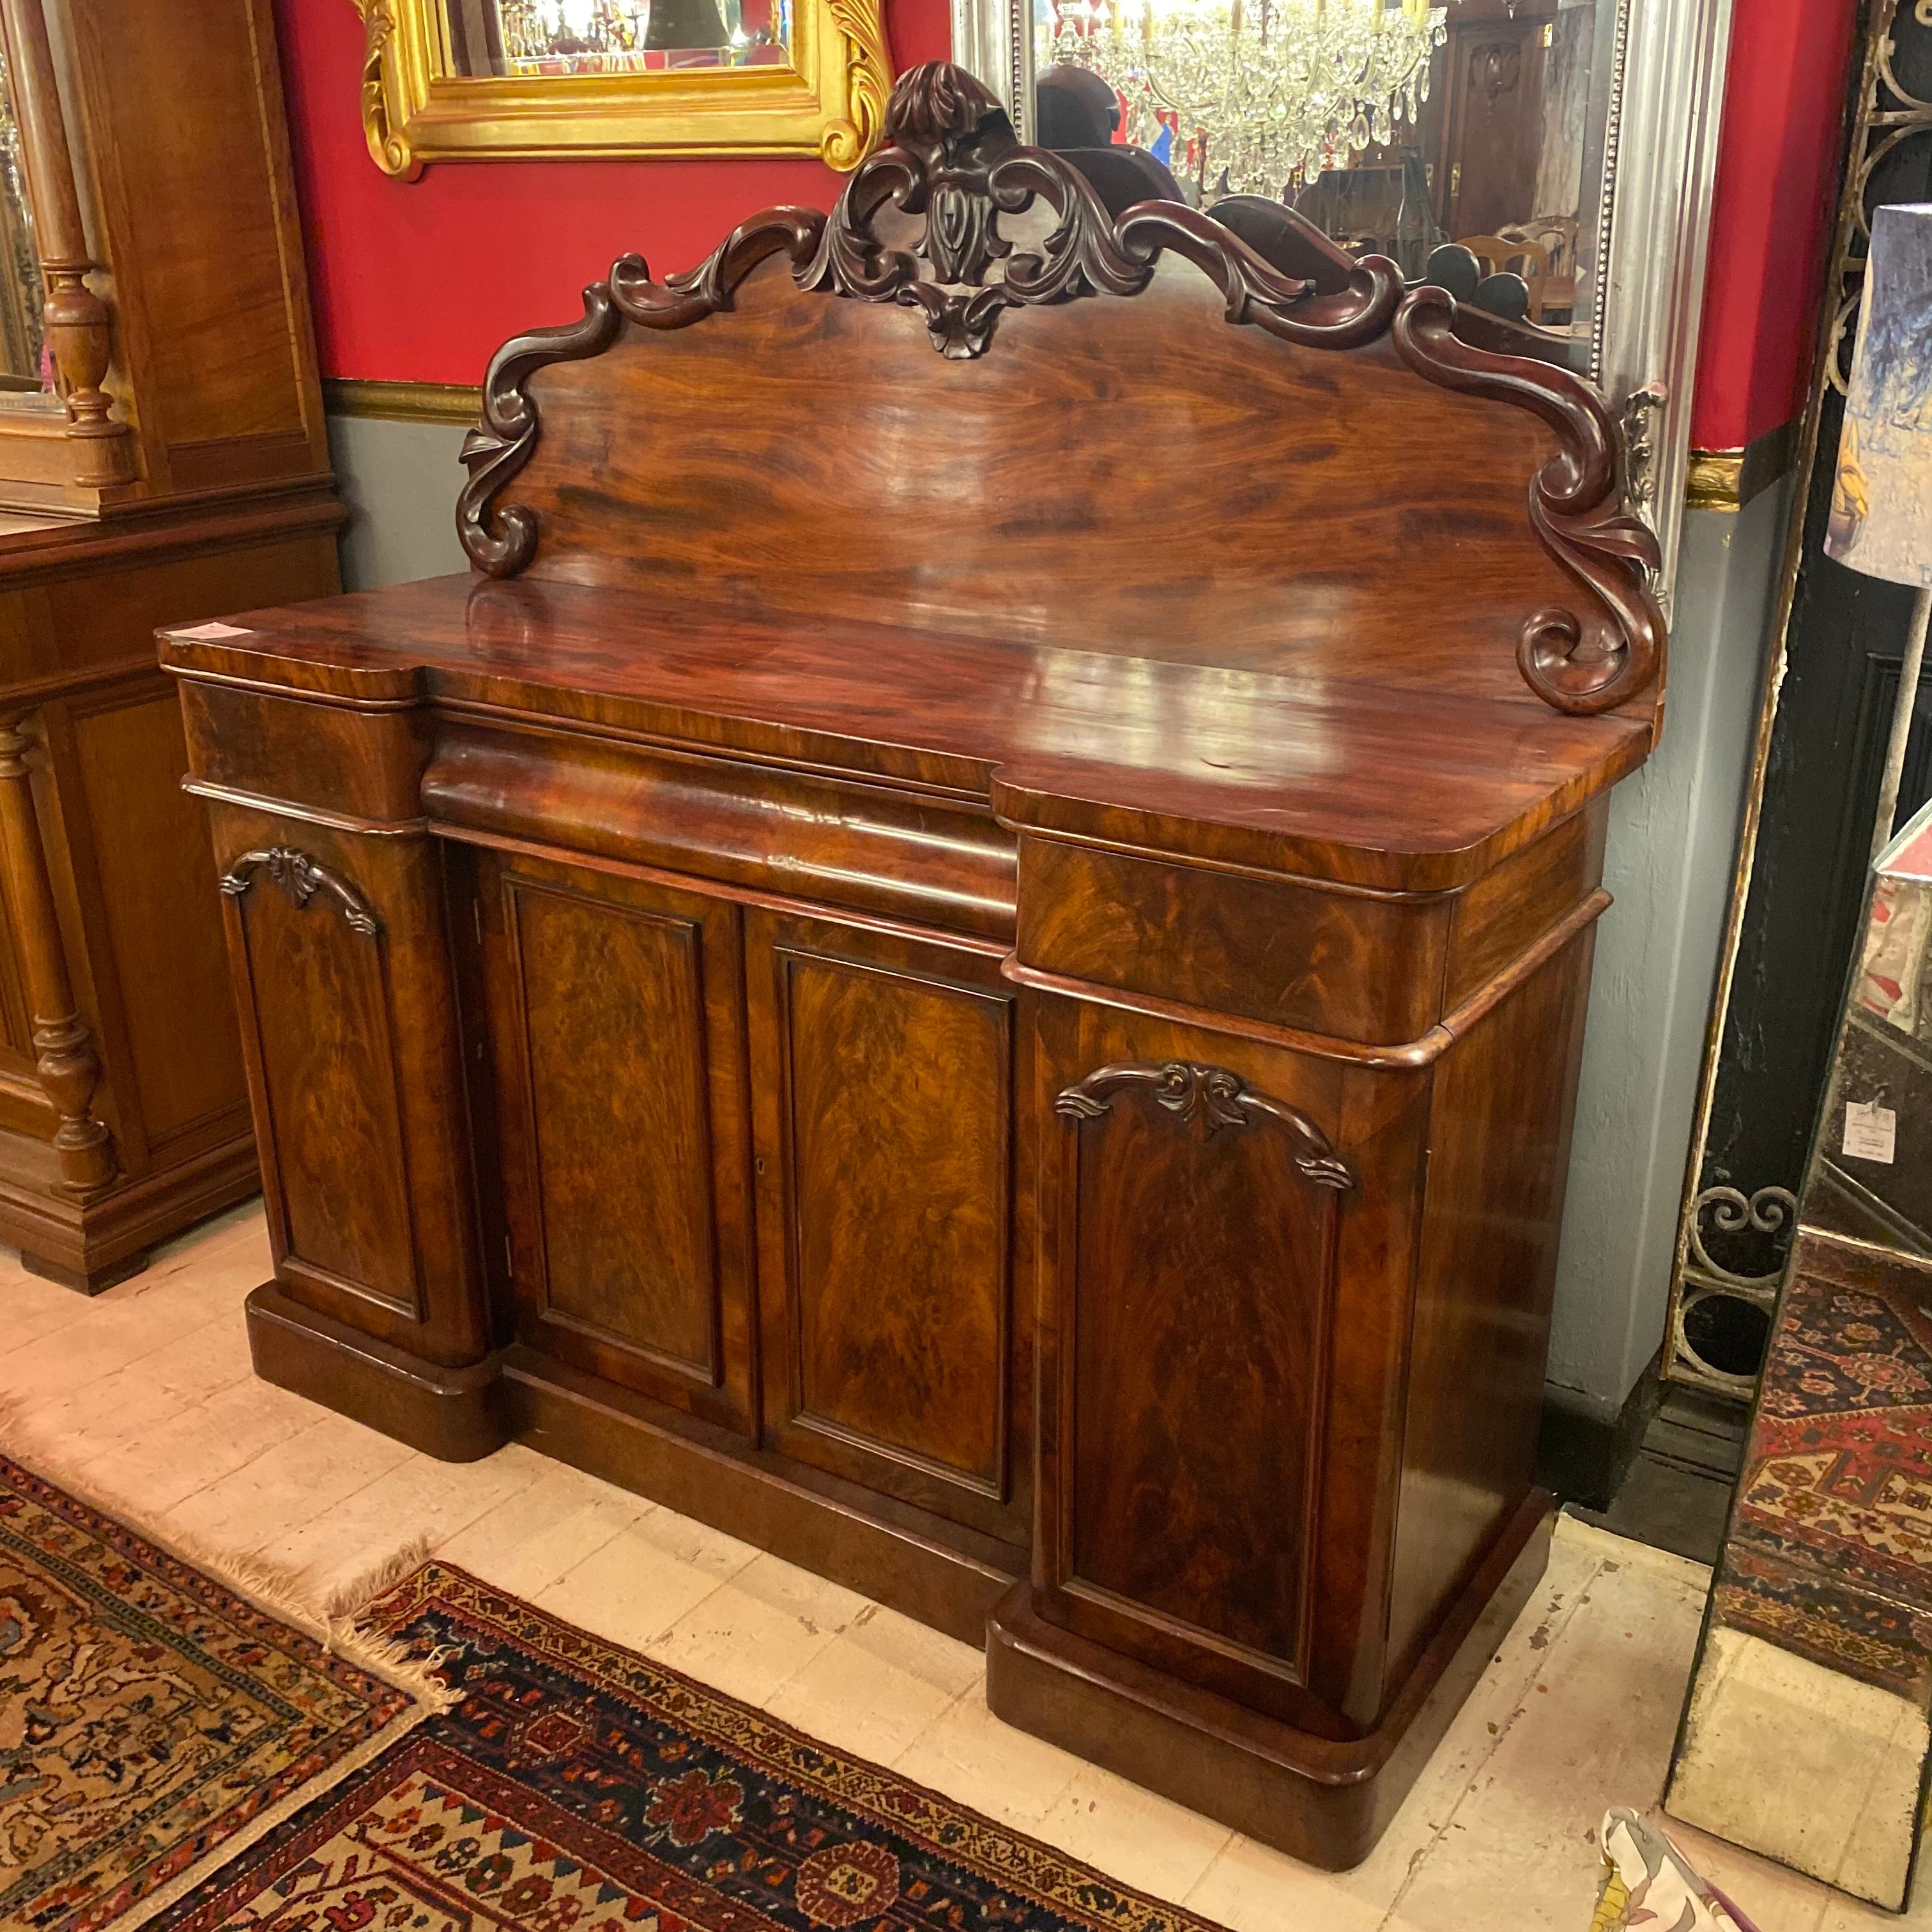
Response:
column 1871, row 1131
column 209, row 634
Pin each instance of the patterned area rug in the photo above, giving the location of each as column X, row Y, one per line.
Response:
column 576, row 1787
column 152, row 1721
column 1829, row 1552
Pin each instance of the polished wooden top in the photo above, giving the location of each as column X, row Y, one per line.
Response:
column 1313, row 769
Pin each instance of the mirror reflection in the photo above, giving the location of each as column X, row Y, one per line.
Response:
column 1466, row 141
column 24, row 368
column 539, row 38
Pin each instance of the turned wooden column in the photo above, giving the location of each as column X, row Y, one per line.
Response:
column 75, row 319
column 65, row 1059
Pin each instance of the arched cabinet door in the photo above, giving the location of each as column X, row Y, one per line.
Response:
column 1194, row 1251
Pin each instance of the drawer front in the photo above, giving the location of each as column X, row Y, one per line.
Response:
column 1226, row 1291
column 613, row 1008
column 883, row 1089
column 1357, row 966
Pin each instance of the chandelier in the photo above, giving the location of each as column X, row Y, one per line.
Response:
column 1268, row 92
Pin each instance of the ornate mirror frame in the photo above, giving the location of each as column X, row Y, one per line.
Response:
column 830, row 101
column 1660, row 159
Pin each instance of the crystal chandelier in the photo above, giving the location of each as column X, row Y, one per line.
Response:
column 1268, row 92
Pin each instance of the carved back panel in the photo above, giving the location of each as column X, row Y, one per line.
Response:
column 1164, row 486
column 1135, row 436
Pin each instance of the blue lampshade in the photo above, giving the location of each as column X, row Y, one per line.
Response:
column 1881, row 520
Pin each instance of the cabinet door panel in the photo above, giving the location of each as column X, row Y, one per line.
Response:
column 613, row 1005
column 318, row 1001
column 1195, row 1274
column 883, row 1067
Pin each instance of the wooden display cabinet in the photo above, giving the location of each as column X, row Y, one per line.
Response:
column 163, row 459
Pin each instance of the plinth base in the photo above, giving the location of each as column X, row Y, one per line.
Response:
column 1317, row 1800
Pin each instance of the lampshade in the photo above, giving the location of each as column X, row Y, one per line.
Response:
column 1881, row 520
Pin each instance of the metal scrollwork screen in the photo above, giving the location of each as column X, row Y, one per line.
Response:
column 1799, row 883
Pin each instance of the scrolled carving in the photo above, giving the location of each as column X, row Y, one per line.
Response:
column 846, row 143
column 1579, row 665
column 502, row 543
column 387, row 147
column 299, row 879
column 951, row 156
column 1209, row 1100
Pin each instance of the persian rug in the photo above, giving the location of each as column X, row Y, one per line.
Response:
column 575, row 1786
column 1829, row 1552
column 152, row 1721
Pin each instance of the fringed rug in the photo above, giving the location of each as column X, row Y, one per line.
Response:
column 153, row 1722
column 577, row 1787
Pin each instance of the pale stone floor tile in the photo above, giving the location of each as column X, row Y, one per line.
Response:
column 1252, row 1888
column 879, row 1686
column 266, row 1499
column 536, row 1538
column 1595, row 1730
column 155, row 1472
column 969, row 1755
column 418, row 1500
column 636, row 1586
column 1143, row 1840
column 72, row 1429
column 763, row 1627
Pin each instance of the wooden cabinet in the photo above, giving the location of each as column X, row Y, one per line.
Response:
column 1203, row 1223
column 942, row 1009
column 176, row 468
column 895, row 1355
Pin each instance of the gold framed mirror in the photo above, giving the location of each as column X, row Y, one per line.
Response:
column 468, row 79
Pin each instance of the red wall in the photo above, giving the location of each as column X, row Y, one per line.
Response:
column 419, row 281
column 1773, row 211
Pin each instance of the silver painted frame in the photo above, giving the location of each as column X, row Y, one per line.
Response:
column 1654, row 220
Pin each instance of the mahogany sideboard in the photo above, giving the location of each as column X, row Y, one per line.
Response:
column 965, row 953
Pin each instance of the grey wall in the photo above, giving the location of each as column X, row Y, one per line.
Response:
column 1672, row 829
column 399, row 481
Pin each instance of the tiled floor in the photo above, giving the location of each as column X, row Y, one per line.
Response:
column 144, row 1399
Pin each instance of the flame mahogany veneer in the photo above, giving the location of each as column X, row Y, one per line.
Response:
column 966, row 956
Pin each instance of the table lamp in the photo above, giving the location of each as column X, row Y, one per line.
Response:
column 1881, row 518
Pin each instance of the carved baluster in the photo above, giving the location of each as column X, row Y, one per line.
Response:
column 76, row 318
column 67, row 1062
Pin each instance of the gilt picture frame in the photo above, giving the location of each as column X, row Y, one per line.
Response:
column 827, row 98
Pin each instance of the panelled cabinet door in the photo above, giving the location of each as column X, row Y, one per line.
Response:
column 614, row 1012
column 313, row 969
column 1195, row 1218
column 895, row 1352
